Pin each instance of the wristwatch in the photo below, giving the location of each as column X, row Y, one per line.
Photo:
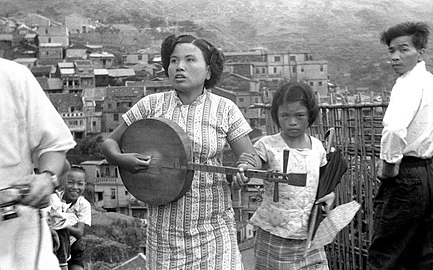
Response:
column 54, row 179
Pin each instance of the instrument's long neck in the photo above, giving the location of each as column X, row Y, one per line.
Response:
column 294, row 179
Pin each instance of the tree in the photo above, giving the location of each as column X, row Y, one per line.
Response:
column 87, row 149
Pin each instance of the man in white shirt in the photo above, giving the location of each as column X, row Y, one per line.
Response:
column 33, row 135
column 403, row 221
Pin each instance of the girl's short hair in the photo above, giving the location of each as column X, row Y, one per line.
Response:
column 292, row 92
column 213, row 57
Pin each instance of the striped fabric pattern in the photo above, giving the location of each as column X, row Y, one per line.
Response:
column 198, row 230
column 276, row 253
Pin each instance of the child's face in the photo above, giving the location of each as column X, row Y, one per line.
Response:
column 74, row 185
column 293, row 119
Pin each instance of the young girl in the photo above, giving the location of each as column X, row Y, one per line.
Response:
column 283, row 224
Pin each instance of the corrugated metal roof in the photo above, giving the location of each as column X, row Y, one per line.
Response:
column 98, row 93
column 25, row 60
column 66, row 100
column 67, row 71
column 66, row 65
column 100, row 71
column 50, row 45
column 125, row 72
column 41, row 70
column 55, row 84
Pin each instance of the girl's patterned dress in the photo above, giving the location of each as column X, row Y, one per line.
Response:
column 283, row 225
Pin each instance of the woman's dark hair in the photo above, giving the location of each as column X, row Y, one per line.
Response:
column 292, row 92
column 213, row 57
column 418, row 30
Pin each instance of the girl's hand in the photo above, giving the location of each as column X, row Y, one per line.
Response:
column 133, row 162
column 245, row 161
column 240, row 180
column 328, row 200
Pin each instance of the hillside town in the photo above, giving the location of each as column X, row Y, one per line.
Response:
column 92, row 85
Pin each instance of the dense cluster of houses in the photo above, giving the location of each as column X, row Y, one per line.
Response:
column 92, row 87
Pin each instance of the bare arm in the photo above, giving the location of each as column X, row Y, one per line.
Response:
column 132, row 162
column 248, row 159
column 41, row 186
column 77, row 230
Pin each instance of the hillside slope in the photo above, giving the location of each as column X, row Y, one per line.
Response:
column 344, row 32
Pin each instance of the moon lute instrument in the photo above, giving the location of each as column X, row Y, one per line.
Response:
column 171, row 169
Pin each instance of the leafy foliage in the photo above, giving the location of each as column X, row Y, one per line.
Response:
column 87, row 149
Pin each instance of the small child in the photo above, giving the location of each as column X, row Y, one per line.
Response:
column 74, row 185
column 58, row 220
column 283, row 225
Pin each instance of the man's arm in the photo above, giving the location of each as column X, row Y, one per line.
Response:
column 41, row 185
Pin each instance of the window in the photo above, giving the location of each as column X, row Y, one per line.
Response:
column 277, row 58
column 263, row 70
column 140, row 57
column 241, row 99
column 292, row 58
column 113, row 193
column 256, row 100
column 302, row 69
column 257, row 70
column 49, row 40
column 94, row 123
column 116, row 117
column 294, row 69
column 311, row 83
column 321, row 68
column 320, row 84
column 275, row 70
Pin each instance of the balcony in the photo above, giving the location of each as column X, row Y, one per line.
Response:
column 108, row 181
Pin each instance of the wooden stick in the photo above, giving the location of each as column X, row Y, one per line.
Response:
column 285, row 163
column 294, row 179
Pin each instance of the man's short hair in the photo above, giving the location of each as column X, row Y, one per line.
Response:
column 418, row 30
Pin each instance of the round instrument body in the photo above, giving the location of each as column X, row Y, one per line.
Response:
column 168, row 177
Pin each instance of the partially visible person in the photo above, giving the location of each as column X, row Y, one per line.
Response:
column 403, row 210
column 198, row 230
column 281, row 238
column 74, row 185
column 59, row 221
column 33, row 136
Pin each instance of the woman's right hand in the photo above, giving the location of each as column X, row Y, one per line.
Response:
column 134, row 162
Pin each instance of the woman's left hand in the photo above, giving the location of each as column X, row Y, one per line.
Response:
column 328, row 200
